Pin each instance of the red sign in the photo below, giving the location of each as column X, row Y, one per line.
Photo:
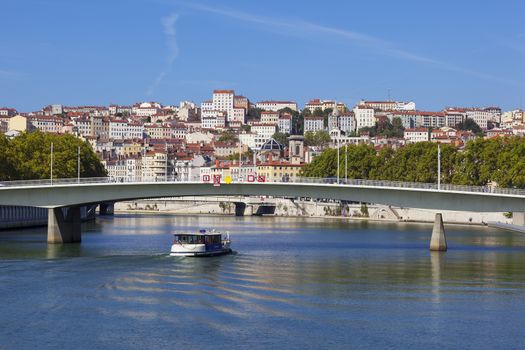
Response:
column 261, row 178
column 206, row 178
column 251, row 178
column 216, row 180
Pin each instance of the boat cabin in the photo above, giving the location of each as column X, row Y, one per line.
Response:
column 212, row 241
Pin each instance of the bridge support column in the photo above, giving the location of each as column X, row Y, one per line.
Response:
column 63, row 228
column 518, row 218
column 106, row 209
column 438, row 241
column 240, row 208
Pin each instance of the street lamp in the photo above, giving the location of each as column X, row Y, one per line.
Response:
column 51, row 163
column 338, row 159
column 439, row 167
column 346, row 162
column 78, row 165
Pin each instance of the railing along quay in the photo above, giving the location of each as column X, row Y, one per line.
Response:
column 299, row 180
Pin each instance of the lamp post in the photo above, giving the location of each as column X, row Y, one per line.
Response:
column 338, row 159
column 346, row 162
column 240, row 157
column 166, row 163
column 78, row 165
column 439, row 167
column 51, row 163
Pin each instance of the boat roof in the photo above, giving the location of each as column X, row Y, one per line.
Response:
column 200, row 233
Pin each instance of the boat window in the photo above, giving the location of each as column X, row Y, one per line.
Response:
column 215, row 239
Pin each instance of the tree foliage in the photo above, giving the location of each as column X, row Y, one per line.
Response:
column 383, row 127
column 281, row 138
column 297, row 120
column 228, row 136
column 28, row 156
column 318, row 138
column 481, row 162
column 470, row 125
column 253, row 114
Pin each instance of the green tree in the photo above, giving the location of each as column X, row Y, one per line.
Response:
column 281, row 138
column 318, row 138
column 7, row 164
column 470, row 125
column 32, row 157
column 253, row 114
column 297, row 120
column 248, row 155
column 228, row 136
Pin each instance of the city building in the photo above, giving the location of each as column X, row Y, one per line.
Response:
column 276, row 106
column 416, row 135
column 364, row 116
column 313, row 124
column 284, row 124
column 323, row 105
column 388, row 105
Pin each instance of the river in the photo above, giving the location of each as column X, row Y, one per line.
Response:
column 293, row 284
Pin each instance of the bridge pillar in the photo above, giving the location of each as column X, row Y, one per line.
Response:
column 518, row 218
column 240, row 208
column 63, row 228
column 438, row 241
column 106, row 209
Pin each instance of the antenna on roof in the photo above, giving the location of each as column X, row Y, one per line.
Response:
column 389, row 99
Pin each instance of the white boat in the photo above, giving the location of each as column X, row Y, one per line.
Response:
column 202, row 243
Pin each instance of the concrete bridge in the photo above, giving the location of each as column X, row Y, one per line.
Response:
column 63, row 198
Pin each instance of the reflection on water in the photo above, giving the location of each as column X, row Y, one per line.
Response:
column 294, row 283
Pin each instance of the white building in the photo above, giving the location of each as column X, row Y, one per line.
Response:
column 480, row 116
column 284, row 124
column 364, row 116
column 276, row 105
column 264, row 130
column 213, row 119
column 388, row 105
column 430, row 119
column 269, row 117
column 134, row 131
column 7, row 112
column 313, row 124
column 416, row 135
column 347, row 122
column 83, row 126
column 248, row 139
column 126, row 170
column 47, row 124
column 118, row 129
column 223, row 101
column 316, row 103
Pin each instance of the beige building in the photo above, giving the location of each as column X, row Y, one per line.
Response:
column 19, row 123
column 276, row 171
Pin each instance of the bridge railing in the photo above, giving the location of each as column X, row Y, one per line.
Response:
column 297, row 180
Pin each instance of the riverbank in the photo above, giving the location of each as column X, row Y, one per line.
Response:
column 302, row 209
column 325, row 217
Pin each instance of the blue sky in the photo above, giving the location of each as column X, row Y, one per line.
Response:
column 436, row 53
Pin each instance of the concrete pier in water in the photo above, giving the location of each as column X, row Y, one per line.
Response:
column 64, row 225
column 438, row 241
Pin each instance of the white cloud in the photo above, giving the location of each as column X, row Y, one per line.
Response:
column 168, row 24
column 171, row 36
column 309, row 30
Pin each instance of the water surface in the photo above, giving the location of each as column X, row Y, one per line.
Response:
column 294, row 283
